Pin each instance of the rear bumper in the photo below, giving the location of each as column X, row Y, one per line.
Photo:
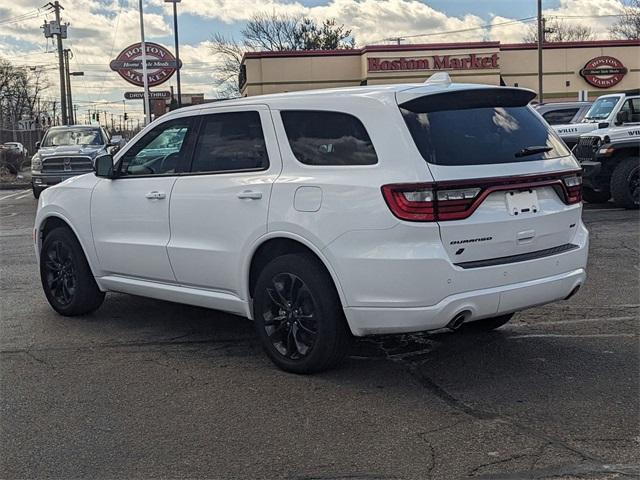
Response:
column 475, row 305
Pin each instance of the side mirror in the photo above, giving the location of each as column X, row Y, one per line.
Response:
column 622, row 117
column 104, row 166
column 37, row 145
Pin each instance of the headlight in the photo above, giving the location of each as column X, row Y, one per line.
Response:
column 36, row 164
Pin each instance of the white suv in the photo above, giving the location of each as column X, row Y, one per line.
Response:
column 324, row 215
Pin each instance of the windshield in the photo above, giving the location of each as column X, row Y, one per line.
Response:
column 601, row 109
column 76, row 136
column 448, row 132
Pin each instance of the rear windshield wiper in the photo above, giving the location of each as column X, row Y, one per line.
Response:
column 526, row 151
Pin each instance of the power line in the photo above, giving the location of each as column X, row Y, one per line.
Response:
column 480, row 27
column 26, row 16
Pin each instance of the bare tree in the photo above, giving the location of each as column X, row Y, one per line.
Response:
column 273, row 32
column 559, row 31
column 628, row 26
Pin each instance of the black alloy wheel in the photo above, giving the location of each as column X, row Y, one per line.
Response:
column 290, row 316
column 60, row 273
column 298, row 315
column 67, row 280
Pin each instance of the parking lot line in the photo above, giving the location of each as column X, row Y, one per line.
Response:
column 560, row 335
column 578, row 320
column 13, row 194
column 28, row 194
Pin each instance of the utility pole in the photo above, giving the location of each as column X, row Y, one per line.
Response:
column 540, row 41
column 59, row 33
column 145, row 79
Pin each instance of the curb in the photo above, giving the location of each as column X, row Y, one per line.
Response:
column 14, row 185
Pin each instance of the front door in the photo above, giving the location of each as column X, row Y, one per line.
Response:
column 220, row 207
column 130, row 214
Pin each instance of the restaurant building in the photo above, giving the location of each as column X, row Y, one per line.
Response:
column 570, row 69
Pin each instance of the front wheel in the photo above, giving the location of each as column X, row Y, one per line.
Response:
column 298, row 315
column 625, row 183
column 66, row 277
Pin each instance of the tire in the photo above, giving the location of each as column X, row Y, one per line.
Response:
column 66, row 278
column 298, row 315
column 625, row 183
column 487, row 324
column 36, row 191
column 591, row 196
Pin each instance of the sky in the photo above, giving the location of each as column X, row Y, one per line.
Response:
column 100, row 29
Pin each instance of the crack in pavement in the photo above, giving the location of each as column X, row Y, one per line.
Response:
column 566, row 470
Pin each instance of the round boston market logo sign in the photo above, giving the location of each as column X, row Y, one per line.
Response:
column 603, row 72
column 161, row 64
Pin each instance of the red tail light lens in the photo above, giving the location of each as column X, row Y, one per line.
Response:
column 414, row 202
column 428, row 202
column 573, row 185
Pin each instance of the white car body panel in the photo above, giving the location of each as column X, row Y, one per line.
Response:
column 195, row 245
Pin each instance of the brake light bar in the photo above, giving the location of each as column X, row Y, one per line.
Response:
column 442, row 201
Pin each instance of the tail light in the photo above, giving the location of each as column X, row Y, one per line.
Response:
column 428, row 202
column 573, row 185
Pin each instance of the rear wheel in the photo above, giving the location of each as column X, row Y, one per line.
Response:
column 298, row 315
column 66, row 277
column 487, row 324
column 591, row 196
column 625, row 183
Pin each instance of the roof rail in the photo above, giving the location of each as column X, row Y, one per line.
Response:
column 635, row 91
column 439, row 78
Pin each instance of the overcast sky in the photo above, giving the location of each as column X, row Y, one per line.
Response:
column 100, row 29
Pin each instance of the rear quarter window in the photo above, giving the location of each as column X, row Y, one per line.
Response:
column 328, row 138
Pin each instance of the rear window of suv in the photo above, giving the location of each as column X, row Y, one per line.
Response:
column 479, row 127
column 328, row 138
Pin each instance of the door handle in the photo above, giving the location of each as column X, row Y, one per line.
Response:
column 250, row 194
column 155, row 195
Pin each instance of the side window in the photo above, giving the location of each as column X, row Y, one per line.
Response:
column 631, row 109
column 328, row 138
column 230, row 142
column 159, row 151
column 559, row 117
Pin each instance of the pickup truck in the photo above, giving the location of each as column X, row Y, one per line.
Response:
column 67, row 151
column 607, row 111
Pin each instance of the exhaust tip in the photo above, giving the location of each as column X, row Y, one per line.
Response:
column 573, row 292
column 457, row 321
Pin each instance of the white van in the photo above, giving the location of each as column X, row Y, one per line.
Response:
column 328, row 214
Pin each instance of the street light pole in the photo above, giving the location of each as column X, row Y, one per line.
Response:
column 175, row 31
column 145, row 80
column 540, row 40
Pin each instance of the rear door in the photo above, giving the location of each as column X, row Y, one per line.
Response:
column 506, row 185
column 219, row 207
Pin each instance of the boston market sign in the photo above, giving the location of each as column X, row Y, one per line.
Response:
column 603, row 72
column 435, row 62
column 161, row 64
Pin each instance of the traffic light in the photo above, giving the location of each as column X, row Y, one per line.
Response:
column 98, row 117
column 125, row 116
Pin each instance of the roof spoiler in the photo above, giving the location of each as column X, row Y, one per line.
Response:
column 418, row 100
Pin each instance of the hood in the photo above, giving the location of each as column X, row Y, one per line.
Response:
column 626, row 132
column 574, row 129
column 86, row 150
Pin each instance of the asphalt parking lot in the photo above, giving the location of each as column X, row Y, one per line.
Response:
column 149, row 389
